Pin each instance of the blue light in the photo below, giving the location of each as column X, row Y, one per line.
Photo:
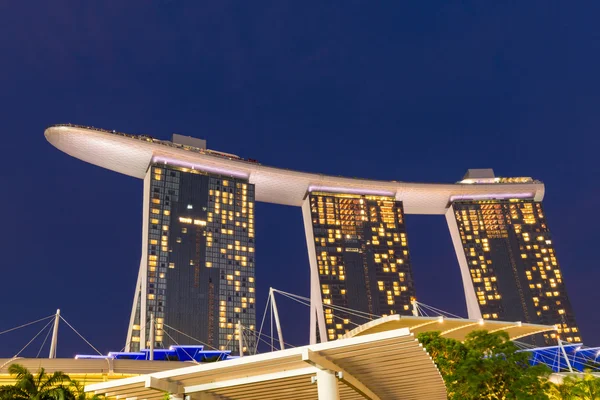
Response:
column 173, row 353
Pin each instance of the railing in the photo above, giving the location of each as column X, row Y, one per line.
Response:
column 150, row 139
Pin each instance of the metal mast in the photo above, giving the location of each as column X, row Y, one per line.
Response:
column 54, row 341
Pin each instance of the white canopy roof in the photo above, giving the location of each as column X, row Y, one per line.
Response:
column 452, row 328
column 385, row 365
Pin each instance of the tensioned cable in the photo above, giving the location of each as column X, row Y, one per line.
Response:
column 263, row 321
column 330, row 306
column 253, row 331
column 335, row 316
column 554, row 355
column 246, row 337
column 44, row 342
column 267, row 343
column 264, row 341
column 272, row 325
column 357, row 312
column 557, row 356
column 188, row 336
column 182, row 348
column 442, row 312
column 422, row 311
column 27, row 324
column 79, row 334
column 229, row 341
column 340, row 308
column 38, row 334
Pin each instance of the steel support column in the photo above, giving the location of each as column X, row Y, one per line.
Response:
column 327, row 385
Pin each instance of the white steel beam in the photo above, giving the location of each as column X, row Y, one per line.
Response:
column 249, row 380
column 323, row 363
column 163, row 385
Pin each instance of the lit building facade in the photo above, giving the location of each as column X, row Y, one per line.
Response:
column 509, row 264
column 361, row 253
column 197, row 270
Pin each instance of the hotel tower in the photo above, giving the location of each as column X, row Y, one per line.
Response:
column 196, row 274
column 197, row 270
column 359, row 256
column 508, row 264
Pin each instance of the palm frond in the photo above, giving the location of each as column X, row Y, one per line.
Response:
column 56, row 379
column 19, row 371
column 13, row 393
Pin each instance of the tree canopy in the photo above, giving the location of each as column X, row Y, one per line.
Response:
column 486, row 366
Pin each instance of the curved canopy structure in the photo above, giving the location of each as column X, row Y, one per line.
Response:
column 452, row 328
column 88, row 370
column 386, row 365
column 131, row 155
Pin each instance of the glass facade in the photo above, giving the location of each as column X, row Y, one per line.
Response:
column 199, row 278
column 362, row 256
column 513, row 265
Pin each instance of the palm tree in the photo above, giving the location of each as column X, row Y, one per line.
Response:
column 41, row 386
column 77, row 392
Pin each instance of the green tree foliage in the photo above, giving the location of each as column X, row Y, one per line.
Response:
column 586, row 387
column 77, row 392
column 486, row 366
column 42, row 386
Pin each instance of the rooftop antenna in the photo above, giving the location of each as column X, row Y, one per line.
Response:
column 54, row 341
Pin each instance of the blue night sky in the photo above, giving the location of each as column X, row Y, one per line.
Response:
column 384, row 90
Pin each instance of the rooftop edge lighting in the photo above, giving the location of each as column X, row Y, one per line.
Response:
column 201, row 167
column 336, row 189
column 492, row 196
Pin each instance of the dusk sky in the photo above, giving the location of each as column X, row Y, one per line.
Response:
column 400, row 91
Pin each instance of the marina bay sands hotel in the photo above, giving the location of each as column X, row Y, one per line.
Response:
column 197, row 268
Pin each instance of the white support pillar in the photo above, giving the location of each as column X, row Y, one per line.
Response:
column 136, row 299
column 317, row 316
column 277, row 323
column 204, row 396
column 143, row 273
column 415, row 310
column 240, row 338
column 562, row 348
column 470, row 297
column 327, row 385
column 152, row 332
column 54, row 341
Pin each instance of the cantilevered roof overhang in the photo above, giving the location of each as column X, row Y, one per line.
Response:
column 131, row 155
column 90, row 371
column 452, row 328
column 385, row 365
